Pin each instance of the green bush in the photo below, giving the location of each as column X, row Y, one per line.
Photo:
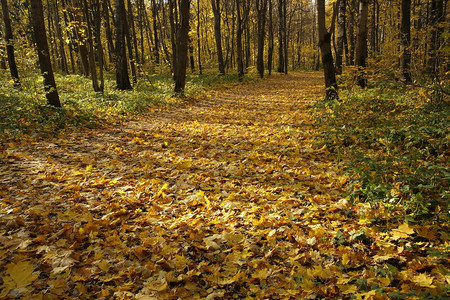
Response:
column 394, row 141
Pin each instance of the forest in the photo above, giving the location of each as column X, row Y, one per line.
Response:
column 224, row 149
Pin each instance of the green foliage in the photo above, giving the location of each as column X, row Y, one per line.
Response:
column 26, row 112
column 395, row 144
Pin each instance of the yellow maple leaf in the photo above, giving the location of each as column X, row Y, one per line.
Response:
column 20, row 274
column 158, row 285
column 423, row 280
column 261, row 274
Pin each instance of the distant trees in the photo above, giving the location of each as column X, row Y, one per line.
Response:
column 10, row 44
column 132, row 38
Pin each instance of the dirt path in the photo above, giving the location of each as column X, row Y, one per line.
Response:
column 225, row 197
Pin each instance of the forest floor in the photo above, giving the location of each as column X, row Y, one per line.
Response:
column 223, row 197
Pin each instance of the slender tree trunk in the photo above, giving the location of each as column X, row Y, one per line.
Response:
column 261, row 7
column 2, row 56
column 59, row 37
column 155, row 32
column 325, row 49
column 10, row 45
column 96, row 11
column 280, row 37
column 132, row 31
column 70, row 34
column 215, row 5
column 239, row 54
column 109, row 35
column 91, row 54
column 182, row 47
column 340, row 35
column 285, row 37
column 436, row 21
column 271, row 43
column 199, row 52
column 191, row 55
column 129, row 42
column 406, row 40
column 122, row 77
column 173, row 36
column 361, row 42
column 40, row 36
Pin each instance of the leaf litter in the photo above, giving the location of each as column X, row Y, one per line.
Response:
column 222, row 198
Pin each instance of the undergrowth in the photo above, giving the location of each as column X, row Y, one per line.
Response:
column 394, row 142
column 25, row 113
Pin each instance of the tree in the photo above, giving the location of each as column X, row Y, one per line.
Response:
column 325, row 49
column 406, row 40
column 340, row 34
column 215, row 5
column 281, row 33
column 10, row 45
column 361, row 42
column 261, row 8
column 122, row 77
column 40, row 37
column 437, row 16
column 240, row 53
column 182, row 46
column 271, row 42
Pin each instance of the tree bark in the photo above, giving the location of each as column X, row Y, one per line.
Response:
column 10, row 45
column 361, row 42
column 91, row 53
column 437, row 18
column 406, row 40
column 280, row 37
column 240, row 53
column 261, row 7
column 122, row 77
column 182, row 46
column 109, row 35
column 340, row 35
column 40, row 36
column 215, row 5
column 155, row 32
column 199, row 52
column 325, row 49
column 271, row 43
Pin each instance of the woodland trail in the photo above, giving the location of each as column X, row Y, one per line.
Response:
column 222, row 197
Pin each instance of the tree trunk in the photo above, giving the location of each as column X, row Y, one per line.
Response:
column 155, row 32
column 191, row 55
column 270, row 46
column 406, row 40
column 280, row 37
column 285, row 37
column 199, row 52
column 96, row 10
column 239, row 54
column 215, row 5
column 261, row 7
column 109, row 35
column 182, row 47
column 361, row 42
column 325, row 49
column 91, row 54
column 340, row 35
column 122, row 77
column 437, row 18
column 9, row 39
column 40, row 36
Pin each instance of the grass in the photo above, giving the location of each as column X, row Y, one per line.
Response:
column 394, row 141
column 25, row 112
